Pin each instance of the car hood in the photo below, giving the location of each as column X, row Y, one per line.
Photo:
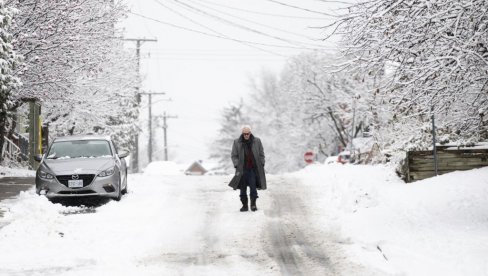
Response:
column 78, row 165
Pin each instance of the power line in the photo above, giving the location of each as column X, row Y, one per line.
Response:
column 206, row 59
column 253, row 22
column 219, row 36
column 261, row 13
column 214, row 31
column 335, row 2
column 218, row 18
column 300, row 8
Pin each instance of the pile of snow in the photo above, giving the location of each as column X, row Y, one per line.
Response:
column 7, row 172
column 437, row 226
column 160, row 168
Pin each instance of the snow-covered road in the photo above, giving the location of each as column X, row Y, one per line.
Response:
column 323, row 220
column 168, row 225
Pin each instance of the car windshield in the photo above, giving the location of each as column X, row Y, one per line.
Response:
column 79, row 149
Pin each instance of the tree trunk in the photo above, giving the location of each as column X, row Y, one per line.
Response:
column 339, row 127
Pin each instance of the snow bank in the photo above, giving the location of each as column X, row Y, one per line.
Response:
column 160, row 168
column 437, row 226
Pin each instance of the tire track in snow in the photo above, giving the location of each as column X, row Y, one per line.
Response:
column 215, row 248
column 208, row 255
column 295, row 252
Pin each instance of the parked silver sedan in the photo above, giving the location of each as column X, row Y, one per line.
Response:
column 79, row 166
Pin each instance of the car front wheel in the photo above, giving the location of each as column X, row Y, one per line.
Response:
column 119, row 192
column 124, row 191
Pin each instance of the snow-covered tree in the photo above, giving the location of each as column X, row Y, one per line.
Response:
column 277, row 117
column 9, row 60
column 107, row 106
column 422, row 54
column 306, row 107
column 61, row 40
column 76, row 66
column 337, row 99
column 231, row 121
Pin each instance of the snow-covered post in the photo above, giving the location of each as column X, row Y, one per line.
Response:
column 434, row 149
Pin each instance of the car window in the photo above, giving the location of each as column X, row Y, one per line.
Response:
column 79, row 149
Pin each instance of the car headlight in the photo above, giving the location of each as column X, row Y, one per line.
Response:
column 45, row 175
column 107, row 172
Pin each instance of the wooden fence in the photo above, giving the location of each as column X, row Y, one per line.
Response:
column 420, row 164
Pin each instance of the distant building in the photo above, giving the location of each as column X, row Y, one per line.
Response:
column 196, row 169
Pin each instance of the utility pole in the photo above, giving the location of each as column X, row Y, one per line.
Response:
column 139, row 41
column 34, row 132
column 149, row 147
column 165, row 127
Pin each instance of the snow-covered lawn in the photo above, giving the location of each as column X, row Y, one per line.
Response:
column 437, row 226
column 349, row 220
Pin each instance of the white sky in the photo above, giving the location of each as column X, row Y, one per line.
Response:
column 203, row 74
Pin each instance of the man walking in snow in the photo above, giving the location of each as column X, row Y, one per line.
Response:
column 248, row 159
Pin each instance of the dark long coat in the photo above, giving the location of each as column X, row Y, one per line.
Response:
column 237, row 156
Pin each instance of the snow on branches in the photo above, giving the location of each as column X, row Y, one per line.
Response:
column 423, row 54
column 75, row 64
column 232, row 118
column 9, row 60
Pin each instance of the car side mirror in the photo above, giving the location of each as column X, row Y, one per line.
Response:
column 123, row 154
column 38, row 157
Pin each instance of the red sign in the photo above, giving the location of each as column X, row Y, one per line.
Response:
column 308, row 157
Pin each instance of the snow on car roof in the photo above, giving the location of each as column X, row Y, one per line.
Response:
column 82, row 137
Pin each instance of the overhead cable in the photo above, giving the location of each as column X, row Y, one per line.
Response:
column 300, row 8
column 218, row 18
column 219, row 36
column 253, row 22
column 214, row 31
column 261, row 13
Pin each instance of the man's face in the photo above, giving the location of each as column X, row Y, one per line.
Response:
column 246, row 133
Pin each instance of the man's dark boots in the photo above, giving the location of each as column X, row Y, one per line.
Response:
column 244, row 204
column 253, row 204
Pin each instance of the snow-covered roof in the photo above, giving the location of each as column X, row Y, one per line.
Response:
column 197, row 165
column 82, row 137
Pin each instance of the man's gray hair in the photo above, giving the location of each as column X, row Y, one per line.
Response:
column 246, row 127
